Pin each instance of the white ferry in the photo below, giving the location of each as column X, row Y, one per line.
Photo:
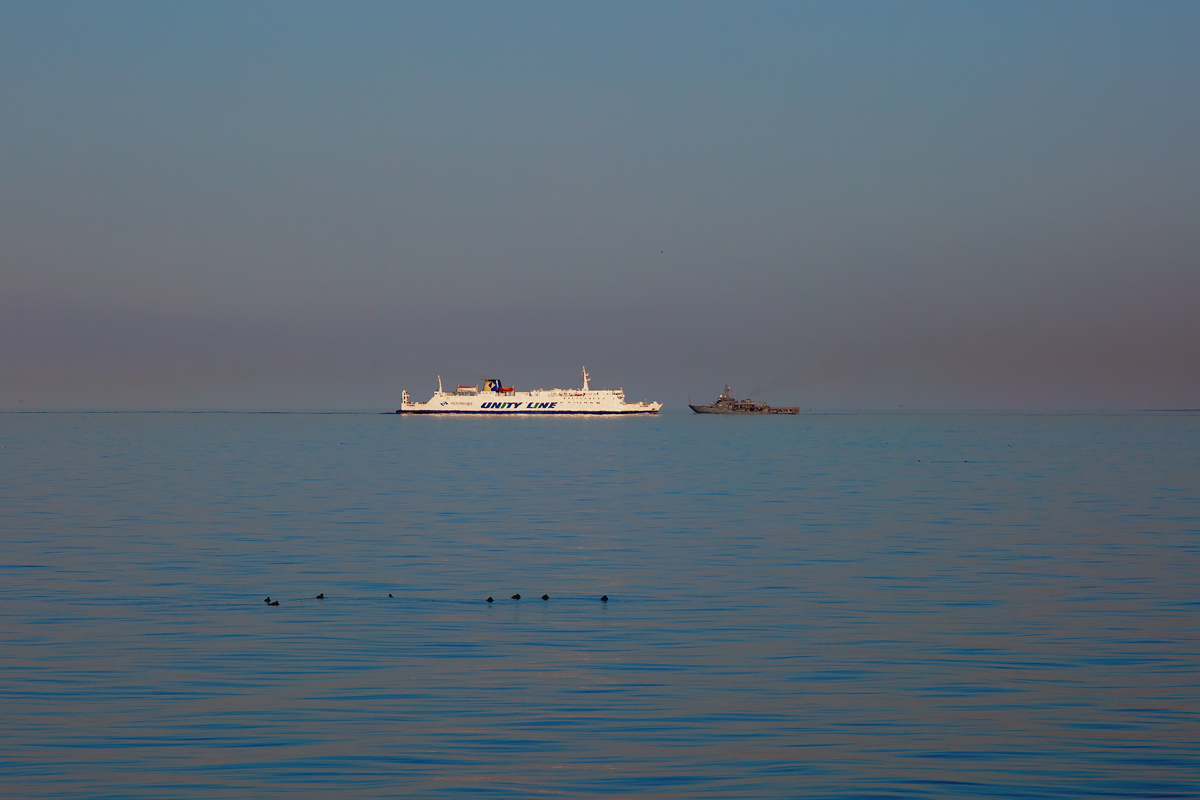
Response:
column 496, row 398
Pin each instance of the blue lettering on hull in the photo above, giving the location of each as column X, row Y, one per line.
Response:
column 493, row 406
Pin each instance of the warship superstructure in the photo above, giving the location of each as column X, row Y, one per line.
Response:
column 496, row 398
column 728, row 404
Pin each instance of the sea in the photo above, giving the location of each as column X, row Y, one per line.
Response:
column 829, row 605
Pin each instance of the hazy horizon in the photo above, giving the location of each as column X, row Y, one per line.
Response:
column 842, row 206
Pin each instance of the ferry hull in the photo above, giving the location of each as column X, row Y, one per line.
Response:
column 498, row 400
column 529, row 413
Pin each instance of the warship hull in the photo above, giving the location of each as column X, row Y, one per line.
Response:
column 762, row 409
column 728, row 404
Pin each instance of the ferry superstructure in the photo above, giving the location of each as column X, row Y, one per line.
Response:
column 496, row 398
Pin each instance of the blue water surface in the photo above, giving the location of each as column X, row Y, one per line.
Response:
column 829, row 605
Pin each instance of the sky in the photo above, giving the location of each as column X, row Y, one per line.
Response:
column 841, row 205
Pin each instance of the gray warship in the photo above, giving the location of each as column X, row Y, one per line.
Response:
column 728, row 404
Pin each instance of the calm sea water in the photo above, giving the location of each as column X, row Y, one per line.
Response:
column 893, row 606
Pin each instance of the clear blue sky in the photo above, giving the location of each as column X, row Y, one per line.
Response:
column 838, row 205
